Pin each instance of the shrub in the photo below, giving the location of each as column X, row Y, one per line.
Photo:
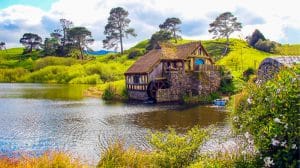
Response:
column 173, row 150
column 92, row 79
column 50, row 61
column 117, row 156
column 114, row 90
column 47, row 160
column 227, row 86
column 13, row 75
column 136, row 53
column 270, row 112
column 247, row 73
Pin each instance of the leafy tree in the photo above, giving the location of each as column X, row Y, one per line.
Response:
column 224, row 25
column 66, row 26
column 50, row 46
column 253, row 39
column 80, row 37
column 171, row 24
column 117, row 28
column 2, row 45
column 31, row 41
column 159, row 36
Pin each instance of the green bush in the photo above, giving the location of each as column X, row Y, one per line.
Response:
column 270, row 113
column 13, row 75
column 227, row 85
column 50, row 61
column 114, row 90
column 117, row 156
column 247, row 73
column 173, row 150
column 135, row 53
column 92, row 79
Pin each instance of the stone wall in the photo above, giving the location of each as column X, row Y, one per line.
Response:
column 137, row 95
column 194, row 83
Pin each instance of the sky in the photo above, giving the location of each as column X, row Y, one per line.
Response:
column 277, row 20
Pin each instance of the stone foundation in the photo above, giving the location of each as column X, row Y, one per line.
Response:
column 137, row 95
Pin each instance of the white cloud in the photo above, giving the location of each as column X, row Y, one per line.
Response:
column 271, row 17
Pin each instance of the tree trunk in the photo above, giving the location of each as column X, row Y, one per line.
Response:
column 81, row 52
column 175, row 36
column 227, row 46
column 121, row 41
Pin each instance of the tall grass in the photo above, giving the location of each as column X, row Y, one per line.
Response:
column 47, row 160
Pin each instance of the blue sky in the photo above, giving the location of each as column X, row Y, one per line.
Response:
column 43, row 4
column 277, row 20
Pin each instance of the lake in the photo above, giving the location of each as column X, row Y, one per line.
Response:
column 35, row 118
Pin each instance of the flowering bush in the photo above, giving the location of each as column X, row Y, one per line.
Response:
column 270, row 113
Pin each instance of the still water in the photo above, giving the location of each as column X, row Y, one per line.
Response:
column 35, row 118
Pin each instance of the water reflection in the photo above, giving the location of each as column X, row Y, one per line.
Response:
column 43, row 91
column 181, row 119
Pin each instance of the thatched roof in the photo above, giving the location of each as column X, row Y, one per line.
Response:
column 146, row 63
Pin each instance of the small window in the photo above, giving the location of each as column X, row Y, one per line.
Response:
column 136, row 79
column 199, row 62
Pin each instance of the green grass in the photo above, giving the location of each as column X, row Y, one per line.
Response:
column 241, row 57
column 288, row 49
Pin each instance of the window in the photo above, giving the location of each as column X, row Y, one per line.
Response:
column 136, row 79
column 199, row 61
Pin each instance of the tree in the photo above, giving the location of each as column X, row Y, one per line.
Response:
column 80, row 37
column 50, row 46
column 160, row 36
column 253, row 39
column 171, row 24
column 224, row 25
column 117, row 28
column 2, row 45
column 66, row 26
column 31, row 41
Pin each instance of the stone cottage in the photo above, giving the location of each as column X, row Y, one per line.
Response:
column 270, row 66
column 169, row 72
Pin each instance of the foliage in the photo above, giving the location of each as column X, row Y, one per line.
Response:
column 241, row 57
column 2, row 45
column 50, row 61
column 114, row 90
column 287, row 49
column 31, row 41
column 225, row 161
column 136, row 53
column 160, row 36
column 173, row 150
column 47, row 160
column 170, row 150
column 227, row 85
column 171, row 25
column 247, row 73
column 12, row 75
column 255, row 37
column 91, row 79
column 117, row 156
column 80, row 37
column 223, row 26
column 270, row 113
column 117, row 28
column 266, row 45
